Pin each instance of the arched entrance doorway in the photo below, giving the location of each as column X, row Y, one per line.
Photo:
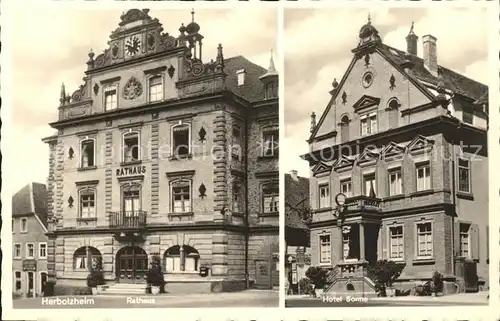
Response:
column 131, row 265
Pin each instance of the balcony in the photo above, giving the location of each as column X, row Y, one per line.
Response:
column 362, row 203
column 130, row 220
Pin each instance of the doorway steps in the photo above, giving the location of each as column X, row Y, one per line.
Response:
column 353, row 284
column 126, row 288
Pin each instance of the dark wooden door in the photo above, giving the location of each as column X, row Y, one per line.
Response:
column 132, row 265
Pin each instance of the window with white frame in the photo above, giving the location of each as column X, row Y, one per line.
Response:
column 270, row 198
column 181, row 140
column 110, row 99
column 241, row 77
column 270, row 143
column 464, row 240
column 42, row 250
column 181, row 196
column 87, row 152
column 346, row 187
column 131, row 148
column 324, row 196
column 396, row 242
column 30, row 250
column 17, row 251
column 424, row 240
column 370, row 185
column 395, row 182
column 325, row 249
column 87, row 204
column 131, row 201
column 24, row 225
column 155, row 88
column 369, row 125
column 83, row 255
column 464, row 175
column 346, row 241
column 423, row 177
column 17, row 281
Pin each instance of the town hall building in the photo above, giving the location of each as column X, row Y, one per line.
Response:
column 402, row 148
column 162, row 152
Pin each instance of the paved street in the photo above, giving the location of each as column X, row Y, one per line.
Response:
column 458, row 299
column 249, row 298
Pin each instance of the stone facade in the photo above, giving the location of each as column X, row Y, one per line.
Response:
column 193, row 200
column 408, row 149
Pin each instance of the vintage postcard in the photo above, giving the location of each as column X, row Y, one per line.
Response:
column 386, row 155
column 155, row 181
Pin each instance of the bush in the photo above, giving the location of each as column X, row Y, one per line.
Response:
column 95, row 278
column 305, row 286
column 423, row 290
column 317, row 275
column 437, row 281
column 384, row 273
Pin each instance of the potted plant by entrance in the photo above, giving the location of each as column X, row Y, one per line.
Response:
column 155, row 278
column 384, row 273
column 95, row 279
column 437, row 283
column 317, row 275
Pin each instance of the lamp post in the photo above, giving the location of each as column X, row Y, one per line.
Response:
column 338, row 213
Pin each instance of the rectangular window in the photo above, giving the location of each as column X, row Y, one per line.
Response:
column 236, row 148
column 131, row 147
column 131, row 203
column 424, row 240
column 370, row 185
column 271, row 139
column 468, row 115
column 24, row 225
column 464, row 175
column 110, row 99
column 30, row 250
column 396, row 240
column 395, row 183
column 181, row 198
column 42, row 250
column 464, row 240
column 180, row 138
column 325, row 249
column 18, row 281
column 346, row 187
column 87, row 205
column 241, row 77
column 324, row 196
column 17, row 251
column 346, row 240
column 270, row 199
column 155, row 89
column 236, row 198
column 423, row 177
column 88, row 153
column 369, row 125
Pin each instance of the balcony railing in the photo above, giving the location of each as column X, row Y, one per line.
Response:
column 127, row 219
column 362, row 203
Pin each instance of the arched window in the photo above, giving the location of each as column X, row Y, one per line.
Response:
column 183, row 258
column 87, row 152
column 181, row 140
column 84, row 255
column 350, row 287
column 393, row 110
column 131, row 147
column 344, row 129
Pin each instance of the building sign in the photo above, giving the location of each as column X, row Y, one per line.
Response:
column 134, row 170
column 29, row 265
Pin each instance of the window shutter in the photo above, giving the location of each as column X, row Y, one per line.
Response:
column 456, row 238
column 474, row 239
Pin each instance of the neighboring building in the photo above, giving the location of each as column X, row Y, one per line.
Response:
column 29, row 242
column 405, row 139
column 161, row 153
column 297, row 236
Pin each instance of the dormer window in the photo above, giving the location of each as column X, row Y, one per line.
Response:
column 468, row 115
column 110, row 99
column 241, row 76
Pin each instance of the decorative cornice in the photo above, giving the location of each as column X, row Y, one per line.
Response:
column 87, row 183
column 136, row 124
column 189, row 173
column 270, row 174
column 155, row 70
column 181, row 117
column 131, row 178
column 110, row 80
column 87, row 133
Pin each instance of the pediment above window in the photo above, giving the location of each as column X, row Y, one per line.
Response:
column 365, row 101
column 321, row 168
column 420, row 144
column 393, row 150
column 343, row 163
column 368, row 157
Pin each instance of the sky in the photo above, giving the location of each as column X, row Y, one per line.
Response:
column 53, row 48
column 318, row 44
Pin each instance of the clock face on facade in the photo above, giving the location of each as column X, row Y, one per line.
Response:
column 133, row 46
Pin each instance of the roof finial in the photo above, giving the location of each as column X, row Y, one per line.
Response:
column 369, row 18
column 62, row 98
column 271, row 64
column 192, row 15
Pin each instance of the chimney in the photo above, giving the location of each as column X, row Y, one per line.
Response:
column 411, row 42
column 430, row 54
column 293, row 174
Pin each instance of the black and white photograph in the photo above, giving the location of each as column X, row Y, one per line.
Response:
column 385, row 156
column 155, row 180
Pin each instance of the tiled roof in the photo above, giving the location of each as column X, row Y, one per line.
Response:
column 31, row 199
column 296, row 196
column 253, row 88
column 453, row 81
